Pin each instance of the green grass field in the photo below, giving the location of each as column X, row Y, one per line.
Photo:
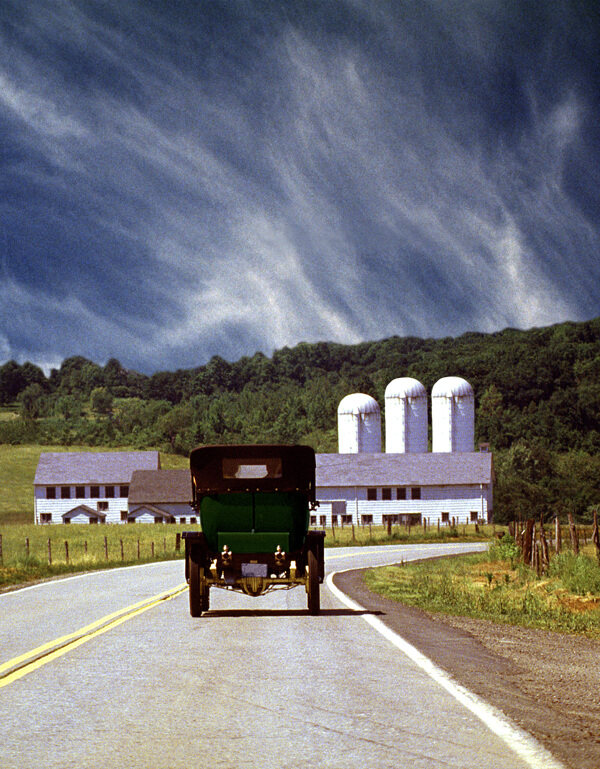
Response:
column 17, row 470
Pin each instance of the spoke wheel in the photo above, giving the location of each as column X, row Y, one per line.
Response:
column 314, row 598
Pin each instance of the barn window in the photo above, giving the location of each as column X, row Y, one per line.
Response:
column 123, row 491
column 80, row 492
column 123, row 515
column 94, row 492
column 182, row 520
column 65, row 492
column 313, row 520
column 445, row 517
column 102, row 506
column 193, row 519
column 45, row 517
column 371, row 494
column 366, row 519
column 474, row 515
column 386, row 493
column 322, row 520
column 93, row 520
column 415, row 492
column 401, row 493
column 50, row 492
column 109, row 491
column 346, row 519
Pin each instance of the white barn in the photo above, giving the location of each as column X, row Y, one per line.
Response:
column 87, row 487
column 161, row 496
column 377, row 488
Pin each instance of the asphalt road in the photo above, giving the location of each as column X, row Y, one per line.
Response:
column 96, row 671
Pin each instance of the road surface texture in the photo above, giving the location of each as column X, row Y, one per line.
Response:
column 546, row 682
column 109, row 670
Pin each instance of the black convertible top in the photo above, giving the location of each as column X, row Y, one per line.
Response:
column 257, row 467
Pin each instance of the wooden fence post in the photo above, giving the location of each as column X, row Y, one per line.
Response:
column 66, row 550
column 106, row 548
column 177, row 542
column 1, row 555
column 152, row 548
column 389, row 527
column 85, row 547
column 138, row 549
column 595, row 537
column 27, row 546
column 527, row 541
column 545, row 554
column 573, row 533
column 122, row 551
column 49, row 552
column 557, row 536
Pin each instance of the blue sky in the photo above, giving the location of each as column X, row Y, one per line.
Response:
column 184, row 179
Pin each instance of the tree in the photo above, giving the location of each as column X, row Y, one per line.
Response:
column 101, row 401
column 490, row 416
column 33, row 402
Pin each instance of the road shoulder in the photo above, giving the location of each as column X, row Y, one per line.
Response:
column 547, row 683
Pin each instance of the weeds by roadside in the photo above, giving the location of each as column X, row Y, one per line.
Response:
column 498, row 587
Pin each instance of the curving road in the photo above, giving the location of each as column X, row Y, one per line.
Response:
column 109, row 670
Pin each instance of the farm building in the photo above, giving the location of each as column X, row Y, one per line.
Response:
column 402, row 488
column 87, row 487
column 359, row 485
column 161, row 496
column 362, row 485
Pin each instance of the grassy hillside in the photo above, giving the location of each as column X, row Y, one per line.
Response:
column 17, row 471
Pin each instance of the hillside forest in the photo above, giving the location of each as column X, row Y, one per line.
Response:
column 537, row 395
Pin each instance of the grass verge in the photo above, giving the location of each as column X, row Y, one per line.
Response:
column 25, row 551
column 495, row 586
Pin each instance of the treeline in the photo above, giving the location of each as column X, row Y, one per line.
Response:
column 537, row 399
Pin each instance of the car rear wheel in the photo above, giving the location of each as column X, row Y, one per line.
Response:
column 198, row 595
column 314, row 598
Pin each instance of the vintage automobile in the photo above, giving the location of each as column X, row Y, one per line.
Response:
column 254, row 506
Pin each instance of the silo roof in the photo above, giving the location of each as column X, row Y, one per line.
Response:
column 358, row 403
column 405, row 387
column 451, row 386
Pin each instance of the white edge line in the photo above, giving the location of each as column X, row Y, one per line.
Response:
column 522, row 743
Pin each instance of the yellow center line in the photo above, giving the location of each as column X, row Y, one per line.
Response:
column 20, row 666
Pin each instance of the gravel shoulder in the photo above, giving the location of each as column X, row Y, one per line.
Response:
column 547, row 683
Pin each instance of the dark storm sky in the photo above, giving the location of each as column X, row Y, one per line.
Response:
column 185, row 179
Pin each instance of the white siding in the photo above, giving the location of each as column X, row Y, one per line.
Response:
column 58, row 507
column 430, row 510
column 458, row 501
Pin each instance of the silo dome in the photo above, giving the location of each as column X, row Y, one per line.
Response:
column 405, row 417
column 453, row 415
column 359, row 425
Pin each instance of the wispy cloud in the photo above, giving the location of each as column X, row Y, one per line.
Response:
column 222, row 179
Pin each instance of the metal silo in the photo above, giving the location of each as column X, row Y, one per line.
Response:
column 405, row 417
column 359, row 425
column 453, row 415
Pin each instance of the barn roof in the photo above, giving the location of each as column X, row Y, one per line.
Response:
column 431, row 469
column 160, row 486
column 87, row 467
